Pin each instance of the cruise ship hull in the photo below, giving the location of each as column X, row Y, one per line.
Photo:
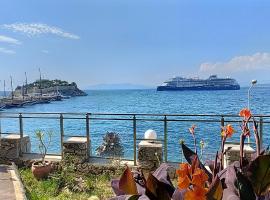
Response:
column 168, row 88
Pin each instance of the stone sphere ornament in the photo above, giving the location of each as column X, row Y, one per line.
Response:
column 150, row 135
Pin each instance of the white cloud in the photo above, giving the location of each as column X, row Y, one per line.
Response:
column 7, row 51
column 9, row 40
column 257, row 61
column 45, row 51
column 33, row 29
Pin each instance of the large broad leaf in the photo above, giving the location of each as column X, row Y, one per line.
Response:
column 127, row 183
column 244, row 186
column 115, row 187
column 230, row 192
column 155, row 189
column 259, row 174
column 161, row 174
column 190, row 156
column 215, row 190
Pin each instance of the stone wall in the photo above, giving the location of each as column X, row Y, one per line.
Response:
column 76, row 147
column 149, row 155
column 10, row 146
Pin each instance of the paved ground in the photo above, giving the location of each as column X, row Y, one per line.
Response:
column 10, row 185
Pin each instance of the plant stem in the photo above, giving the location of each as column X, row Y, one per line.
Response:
column 257, row 139
column 195, row 143
column 242, row 143
column 222, row 151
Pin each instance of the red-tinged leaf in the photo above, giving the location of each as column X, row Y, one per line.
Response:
column 190, row 156
column 161, row 174
column 115, row 187
column 215, row 190
column 259, row 174
column 230, row 192
column 155, row 189
column 127, row 183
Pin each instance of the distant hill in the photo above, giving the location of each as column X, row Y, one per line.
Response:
column 120, row 86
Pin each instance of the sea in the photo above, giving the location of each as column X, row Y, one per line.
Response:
column 149, row 101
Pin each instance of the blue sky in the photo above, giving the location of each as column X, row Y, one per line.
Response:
column 139, row 42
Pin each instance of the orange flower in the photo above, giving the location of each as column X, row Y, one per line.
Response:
column 199, row 177
column 245, row 113
column 184, row 170
column 197, row 193
column 227, row 131
column 183, row 183
column 183, row 176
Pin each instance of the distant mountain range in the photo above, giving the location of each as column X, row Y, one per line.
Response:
column 120, row 86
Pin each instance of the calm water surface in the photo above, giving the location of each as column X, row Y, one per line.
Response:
column 145, row 101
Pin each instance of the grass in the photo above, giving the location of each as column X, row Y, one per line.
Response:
column 60, row 187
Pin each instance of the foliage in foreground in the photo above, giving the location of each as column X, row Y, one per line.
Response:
column 245, row 180
column 66, row 184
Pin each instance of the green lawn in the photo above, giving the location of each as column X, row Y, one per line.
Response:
column 64, row 186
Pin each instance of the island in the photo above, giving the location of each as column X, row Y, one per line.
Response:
column 39, row 92
column 49, row 87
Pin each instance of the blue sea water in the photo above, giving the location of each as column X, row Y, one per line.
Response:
column 145, row 101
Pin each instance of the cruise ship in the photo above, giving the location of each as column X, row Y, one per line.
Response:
column 212, row 83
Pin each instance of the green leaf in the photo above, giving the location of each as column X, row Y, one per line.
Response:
column 127, row 183
column 215, row 190
column 244, row 186
column 259, row 174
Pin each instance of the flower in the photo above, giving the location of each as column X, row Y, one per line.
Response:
column 183, row 176
column 192, row 129
column 227, row 131
column 193, row 179
column 245, row 112
column 199, row 177
column 183, row 183
column 197, row 193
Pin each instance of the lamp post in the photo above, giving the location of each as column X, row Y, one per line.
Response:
column 253, row 82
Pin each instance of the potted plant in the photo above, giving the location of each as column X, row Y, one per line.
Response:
column 42, row 168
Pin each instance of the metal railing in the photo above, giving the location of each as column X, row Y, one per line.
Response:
column 134, row 118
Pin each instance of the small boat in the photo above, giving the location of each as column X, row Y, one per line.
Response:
column 65, row 97
column 52, row 97
column 13, row 105
column 2, row 106
column 30, row 103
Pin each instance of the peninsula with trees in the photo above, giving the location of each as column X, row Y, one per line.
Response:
column 39, row 92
